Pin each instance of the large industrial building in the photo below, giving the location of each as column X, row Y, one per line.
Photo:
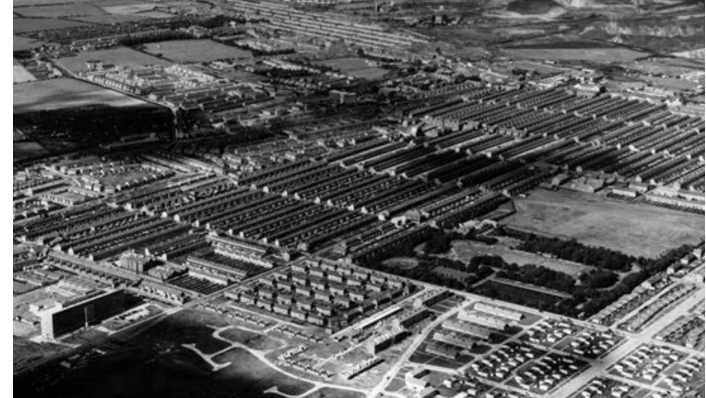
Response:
column 71, row 315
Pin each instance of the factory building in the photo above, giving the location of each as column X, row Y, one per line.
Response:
column 69, row 316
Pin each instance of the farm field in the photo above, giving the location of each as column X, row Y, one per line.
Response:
column 58, row 11
column 639, row 230
column 604, row 55
column 65, row 93
column 20, row 43
column 20, row 74
column 27, row 149
column 194, row 50
column 26, row 25
column 464, row 250
column 154, row 14
column 128, row 8
column 118, row 56
column 108, row 19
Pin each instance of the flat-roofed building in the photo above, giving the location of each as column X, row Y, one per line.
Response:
column 71, row 315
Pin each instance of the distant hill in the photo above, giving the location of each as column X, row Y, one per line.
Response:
column 532, row 7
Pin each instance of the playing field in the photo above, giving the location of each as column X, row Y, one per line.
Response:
column 640, row 230
column 117, row 56
column 65, row 93
column 194, row 50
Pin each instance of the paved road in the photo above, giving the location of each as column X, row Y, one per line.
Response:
column 401, row 361
column 634, row 340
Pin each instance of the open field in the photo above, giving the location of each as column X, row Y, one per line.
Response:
column 639, row 230
column 465, row 250
column 20, row 74
column 253, row 376
column 194, row 50
column 118, row 56
column 355, row 67
column 517, row 295
column 327, row 392
column 402, row 262
column 24, row 350
column 25, row 25
column 20, row 43
column 107, row 19
column 129, row 8
column 27, row 149
column 57, row 11
column 153, row 14
column 65, row 93
column 602, row 55
column 253, row 340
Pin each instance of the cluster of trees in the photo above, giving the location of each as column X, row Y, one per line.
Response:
column 540, row 276
column 540, row 301
column 440, row 240
column 572, row 250
column 171, row 35
column 598, row 288
column 598, row 278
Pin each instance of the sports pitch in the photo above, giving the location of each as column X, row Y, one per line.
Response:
column 635, row 229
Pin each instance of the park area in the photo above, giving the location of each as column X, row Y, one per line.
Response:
column 634, row 229
column 195, row 51
column 65, row 93
column 465, row 250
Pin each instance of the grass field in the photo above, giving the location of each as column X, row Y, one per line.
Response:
column 27, row 149
column 65, row 93
column 402, row 262
column 108, row 19
column 24, row 351
column 516, row 294
column 327, row 392
column 129, row 8
column 634, row 229
column 355, row 67
column 253, row 340
column 21, row 75
column 26, row 25
column 20, row 43
column 58, row 11
column 118, row 56
column 603, row 55
column 253, row 376
column 194, row 50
